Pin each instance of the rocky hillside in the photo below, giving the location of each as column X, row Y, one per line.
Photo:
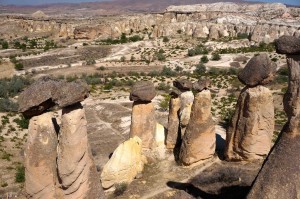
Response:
column 260, row 22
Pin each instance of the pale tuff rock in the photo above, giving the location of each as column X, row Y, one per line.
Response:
column 76, row 169
column 250, row 133
column 40, row 158
column 159, row 135
column 279, row 176
column 173, row 122
column 186, row 102
column 143, row 123
column 199, row 140
column 126, row 162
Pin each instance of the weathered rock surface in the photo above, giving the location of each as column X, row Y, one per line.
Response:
column 173, row 122
column 201, row 84
column 48, row 92
column 186, row 102
column 143, row 123
column 143, row 91
column 183, row 84
column 75, row 165
column 199, row 140
column 260, row 70
column 281, row 169
column 40, row 158
column 288, row 45
column 250, row 133
column 126, row 162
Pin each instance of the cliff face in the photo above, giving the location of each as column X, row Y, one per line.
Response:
column 263, row 22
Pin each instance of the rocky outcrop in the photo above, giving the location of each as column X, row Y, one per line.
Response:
column 173, row 122
column 199, row 140
column 143, row 91
column 40, row 158
column 250, row 132
column 143, row 122
column 260, row 70
column 65, row 168
column 126, row 162
column 279, row 176
column 186, row 102
column 183, row 84
column 48, row 92
column 76, row 169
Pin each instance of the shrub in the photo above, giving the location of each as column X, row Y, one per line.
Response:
column 179, row 31
column 19, row 66
column 120, row 188
column 178, row 69
column 20, row 174
column 122, row 59
column 4, row 45
column 204, row 59
column 163, row 86
column 90, row 62
column 160, row 57
column 22, row 122
column 164, row 104
column 215, row 56
column 7, row 105
column 132, row 58
column 166, row 39
column 200, row 69
column 167, row 72
column 101, row 68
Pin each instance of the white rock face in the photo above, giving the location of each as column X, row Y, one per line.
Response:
column 76, row 168
column 40, row 158
column 126, row 162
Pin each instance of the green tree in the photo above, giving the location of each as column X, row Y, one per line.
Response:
column 204, row 59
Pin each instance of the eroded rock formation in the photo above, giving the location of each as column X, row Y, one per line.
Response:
column 76, row 169
column 69, row 172
column 279, row 176
column 249, row 135
column 199, row 140
column 126, row 162
column 173, row 121
column 40, row 158
column 143, row 122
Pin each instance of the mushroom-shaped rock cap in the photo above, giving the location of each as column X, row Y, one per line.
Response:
column 47, row 92
column 260, row 70
column 288, row 45
column 183, row 84
column 201, row 84
column 175, row 93
column 143, row 91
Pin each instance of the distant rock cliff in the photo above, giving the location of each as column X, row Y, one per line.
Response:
column 262, row 22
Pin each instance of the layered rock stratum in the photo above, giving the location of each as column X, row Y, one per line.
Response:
column 262, row 22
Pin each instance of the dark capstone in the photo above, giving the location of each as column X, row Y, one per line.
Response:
column 260, row 70
column 47, row 92
column 288, row 45
column 175, row 93
column 183, row 84
column 143, row 91
column 201, row 84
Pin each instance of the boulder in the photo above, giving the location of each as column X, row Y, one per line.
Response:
column 124, row 165
column 173, row 122
column 183, row 84
column 143, row 123
column 288, row 45
column 47, row 92
column 186, row 102
column 201, row 84
column 75, row 164
column 199, row 140
column 175, row 93
column 250, row 132
column 40, row 158
column 143, row 91
column 279, row 176
column 260, row 70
